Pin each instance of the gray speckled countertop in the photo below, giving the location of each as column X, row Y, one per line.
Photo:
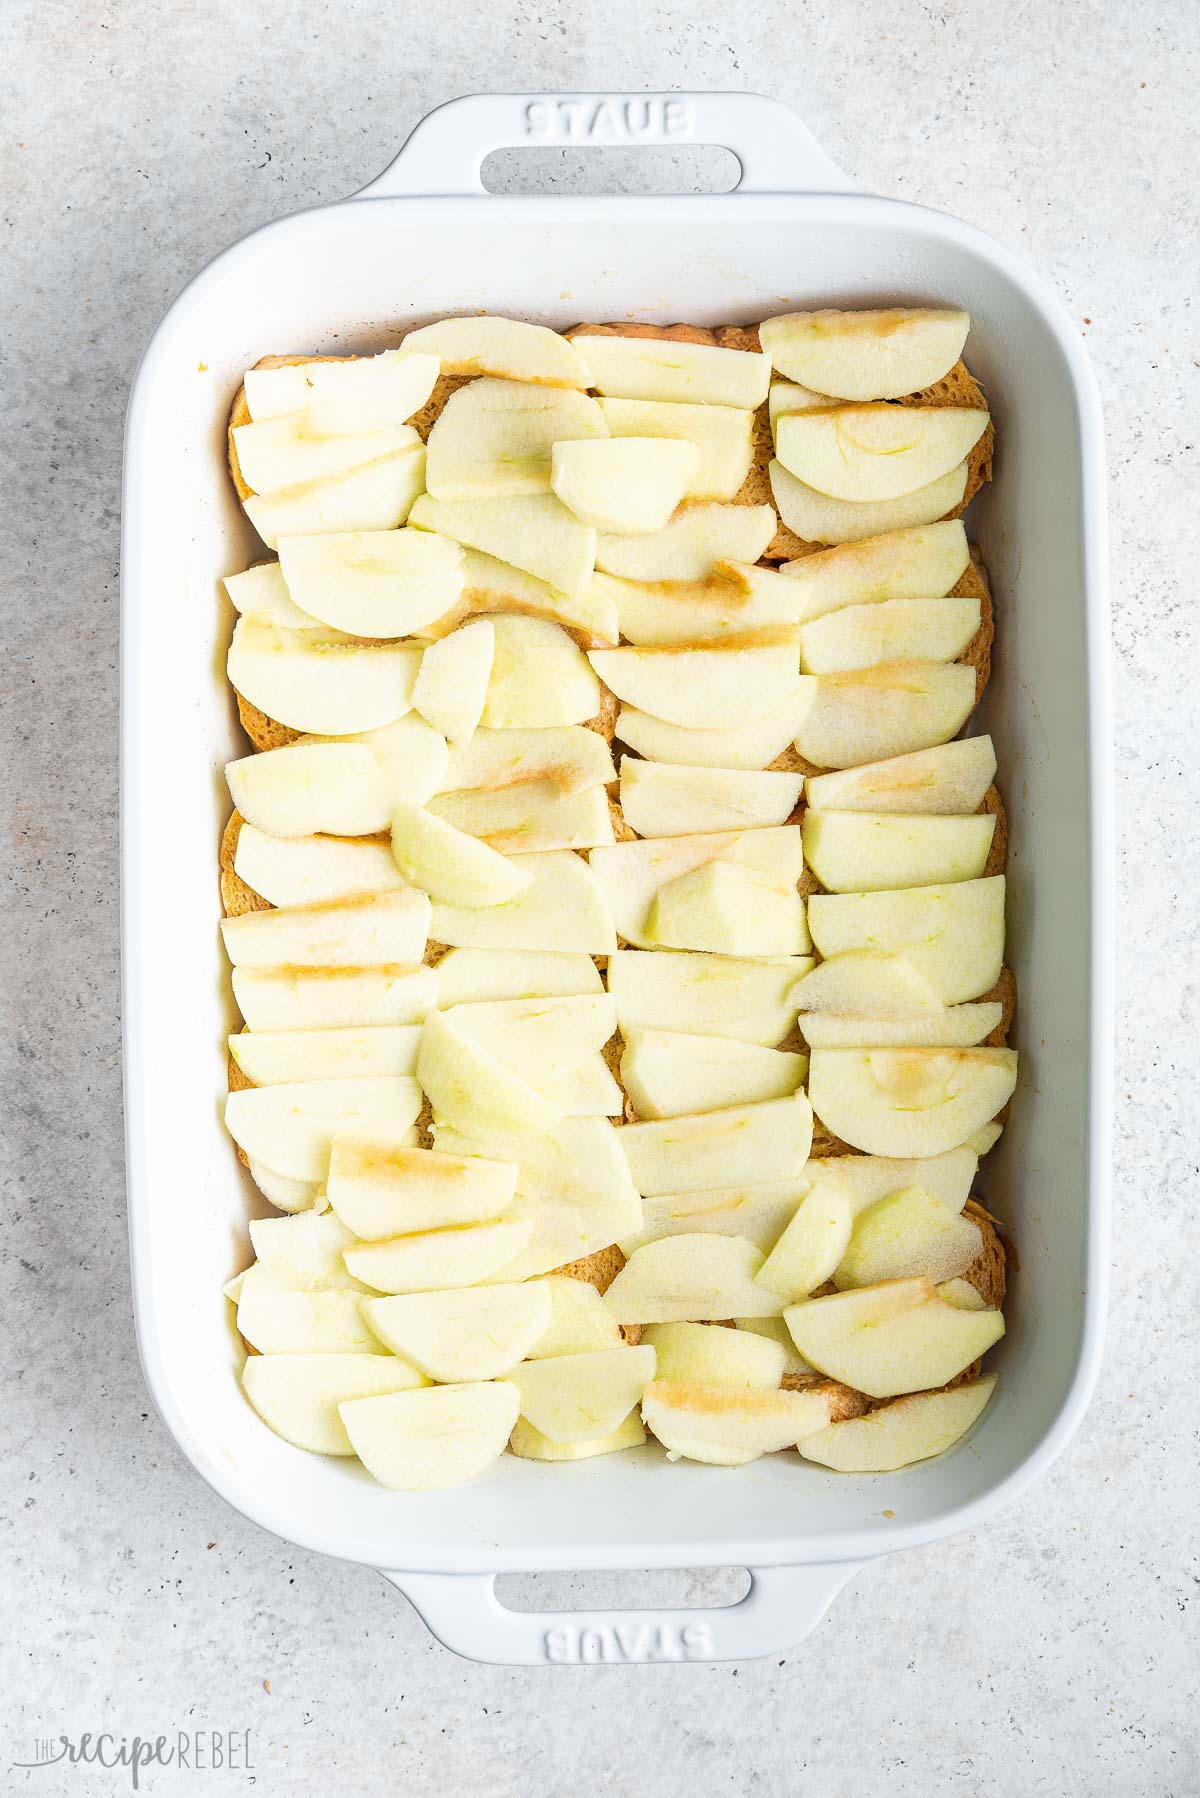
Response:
column 1054, row 1654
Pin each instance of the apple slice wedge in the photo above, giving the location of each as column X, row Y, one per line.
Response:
column 366, row 930
column 729, row 909
column 410, row 757
column 573, row 1193
column 708, row 1355
column 262, row 589
column 289, row 1127
column 359, row 393
column 276, row 1057
column 702, row 687
column 470, row 976
column 734, row 599
column 790, row 396
column 319, row 680
column 540, row 677
column 891, row 1339
column 742, row 1143
column 575, row 1398
column 310, row 870
column 863, row 852
column 724, row 435
column 303, row 1252
column 867, row 981
column 472, row 1333
column 909, row 1101
column 919, row 562
column 298, row 1396
column 566, row 755
column 579, row 1322
column 760, row 1213
column 947, row 1176
column 819, row 518
column 309, row 788
column 450, row 864
column 531, row 1445
column 729, row 1426
column 278, row 1319
column 532, row 815
column 700, row 535
column 950, row 779
column 333, row 998
column 667, row 799
column 493, row 586
column 670, row 1074
column 380, row 1190
column 377, row 496
column 908, row 1233
column 470, row 1089
column 650, row 368
column 373, row 583
column 493, row 438
column 292, row 451
column 775, row 1330
column 544, row 1038
column 953, row 935
column 740, row 998
column 694, row 1278
column 940, row 1027
column 893, row 630
column 563, row 908
column 436, row 1260
column 868, row 453
column 442, row 1436
column 588, row 1091
column 506, row 347
column 814, row 1242
column 896, row 1435
column 452, row 683
column 286, row 1195
column 753, row 746
column 535, row 532
column 872, row 713
column 623, row 484
column 866, row 354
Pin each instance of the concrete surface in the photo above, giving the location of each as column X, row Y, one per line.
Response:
column 1057, row 1654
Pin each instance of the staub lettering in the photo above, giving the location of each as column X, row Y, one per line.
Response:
column 620, row 1643
column 611, row 120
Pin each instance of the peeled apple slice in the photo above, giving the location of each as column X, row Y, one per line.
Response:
column 736, row 598
column 471, row 1090
column 475, row 1333
column 272, row 1057
column 534, row 815
column 624, row 484
column 452, row 684
column 449, row 864
column 949, row 779
column 891, row 1339
column 694, row 1278
column 539, row 677
column 750, row 746
column 705, row 688
column 357, row 393
column 532, row 531
column 869, row 851
column 877, row 452
column 647, row 368
column 933, row 630
column 953, row 935
column 494, row 437
column 506, row 347
column 700, row 535
column 379, row 1190
column 289, row 1127
column 866, row 981
column 724, row 435
column 563, row 908
column 437, row 1260
column 947, row 1177
column 307, row 788
column 819, row 518
column 531, row 1445
column 943, row 1026
column 760, row 1213
column 667, row 1073
column 709, row 1355
column 373, row 583
column 277, row 1319
column 746, row 999
column 579, row 1323
column 915, row 563
column 813, row 1244
column 869, row 354
column 909, row 1101
column 378, row 496
column 665, row 799
column 543, row 1039
column 367, row 930
column 262, row 589
column 333, row 998
column 298, row 1396
column 320, row 681
column 888, row 710
column 442, row 1436
column 908, row 1233
column 292, row 451
column 303, row 1252
column 909, row 1429
column 727, row 1426
column 575, row 1398
column 470, row 976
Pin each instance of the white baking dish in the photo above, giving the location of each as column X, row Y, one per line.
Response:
column 354, row 275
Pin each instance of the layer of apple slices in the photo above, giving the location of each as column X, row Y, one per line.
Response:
column 746, row 999
column 911, row 1101
column 865, row 354
column 377, row 496
column 289, row 1127
column 891, row 1339
column 724, row 436
column 494, row 438
column 758, row 904
column 953, row 935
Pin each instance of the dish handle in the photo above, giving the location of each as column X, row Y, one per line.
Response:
column 783, row 1605
column 445, row 152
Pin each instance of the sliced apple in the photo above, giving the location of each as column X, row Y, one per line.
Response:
column 872, row 851
column 436, row 1260
column 356, row 393
column 276, row 1057
column 734, row 599
column 760, row 1213
column 866, row 981
column 539, row 677
column 543, row 1038
column 468, row 976
column 588, row 1091
column 623, row 484
column 665, row 799
column 289, row 1127
column 743, row 1143
column 919, row 562
column 531, row 1445
column 333, row 998
column 494, row 438
column 303, row 1252
column 872, row 713
column 953, row 935
column 943, row 1026
column 507, row 347
column 895, row 630
column 745, row 999
column 947, row 1177
column 310, row 870
column 776, row 1331
column 650, row 368
column 451, row 865
column 470, row 1089
column 729, row 909
column 285, row 1194
column 535, row 532
column 298, row 1396
column 496, row 587
column 910, row 1232
column 381, row 1190
column 986, row 1137
column 378, row 496
column 633, row 873
column 950, row 780
column 321, row 681
column 569, row 756
column 536, row 814
column 752, row 745
column 701, row 534
column 579, row 1322
column 575, row 1398
column 263, row 590
column 669, row 1074
column 410, row 758
column 891, row 1339
column 365, row 930
column 814, row 1243
column 790, row 396
column 441, row 1436
column 452, row 683
column 962, row 1294
column 724, row 435
column 293, row 451
column 909, row 1429
column 473, row 1333
column 819, row 518
column 708, row 1355
column 563, row 908
column 877, row 452
column 728, row 1426
column 278, row 1319
column 703, row 687
column 308, row 788
column 909, row 1101
column 870, row 354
